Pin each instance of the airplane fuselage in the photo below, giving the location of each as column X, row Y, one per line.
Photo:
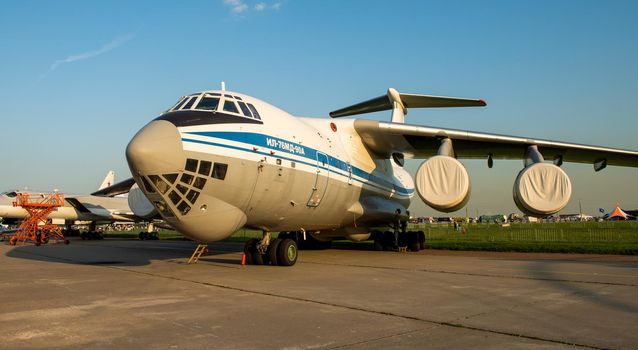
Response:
column 211, row 173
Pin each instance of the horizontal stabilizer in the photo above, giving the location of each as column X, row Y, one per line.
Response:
column 117, row 189
column 385, row 102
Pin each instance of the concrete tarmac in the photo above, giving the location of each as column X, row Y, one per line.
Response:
column 117, row 294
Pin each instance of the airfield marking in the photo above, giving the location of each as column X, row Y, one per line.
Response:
column 347, row 307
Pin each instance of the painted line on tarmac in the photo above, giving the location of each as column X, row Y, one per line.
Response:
column 347, row 307
column 476, row 274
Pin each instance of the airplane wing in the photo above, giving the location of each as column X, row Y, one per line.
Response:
column 416, row 141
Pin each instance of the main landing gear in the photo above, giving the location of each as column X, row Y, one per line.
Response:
column 278, row 251
column 412, row 240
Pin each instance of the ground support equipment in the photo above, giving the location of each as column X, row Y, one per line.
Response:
column 36, row 227
column 201, row 248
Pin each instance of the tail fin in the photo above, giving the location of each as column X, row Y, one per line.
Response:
column 108, row 180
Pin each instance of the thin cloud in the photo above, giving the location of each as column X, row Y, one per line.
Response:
column 239, row 6
column 236, row 6
column 90, row 54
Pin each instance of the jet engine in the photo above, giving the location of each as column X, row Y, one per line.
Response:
column 542, row 189
column 139, row 204
column 443, row 183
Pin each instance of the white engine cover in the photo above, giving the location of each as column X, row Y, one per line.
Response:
column 358, row 237
column 542, row 189
column 139, row 204
column 443, row 184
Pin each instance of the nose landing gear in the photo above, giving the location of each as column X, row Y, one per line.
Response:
column 278, row 252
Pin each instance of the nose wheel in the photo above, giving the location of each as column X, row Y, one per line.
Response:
column 278, row 252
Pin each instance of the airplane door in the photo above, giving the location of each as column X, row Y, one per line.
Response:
column 321, row 180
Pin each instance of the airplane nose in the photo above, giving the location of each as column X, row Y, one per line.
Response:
column 156, row 149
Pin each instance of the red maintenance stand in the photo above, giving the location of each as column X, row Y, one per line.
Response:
column 36, row 227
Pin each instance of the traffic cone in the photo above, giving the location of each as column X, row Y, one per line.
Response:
column 243, row 259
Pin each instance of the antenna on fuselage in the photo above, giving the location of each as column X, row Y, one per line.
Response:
column 223, row 86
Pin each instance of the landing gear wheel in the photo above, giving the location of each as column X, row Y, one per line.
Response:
column 258, row 258
column 66, row 241
column 266, row 258
column 421, row 239
column 272, row 251
column 388, row 240
column 413, row 241
column 248, row 250
column 378, row 240
column 287, row 252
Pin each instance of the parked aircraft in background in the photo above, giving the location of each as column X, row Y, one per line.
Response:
column 108, row 181
column 218, row 161
column 83, row 208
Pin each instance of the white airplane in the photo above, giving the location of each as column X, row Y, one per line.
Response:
column 218, row 161
column 86, row 208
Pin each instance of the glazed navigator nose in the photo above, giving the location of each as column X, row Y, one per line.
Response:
column 156, row 149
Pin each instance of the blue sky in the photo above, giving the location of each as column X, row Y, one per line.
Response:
column 79, row 78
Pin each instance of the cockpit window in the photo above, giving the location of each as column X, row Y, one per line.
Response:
column 217, row 101
column 178, row 103
column 254, row 110
column 190, row 102
column 181, row 103
column 229, row 106
column 208, row 103
column 11, row 194
column 244, row 109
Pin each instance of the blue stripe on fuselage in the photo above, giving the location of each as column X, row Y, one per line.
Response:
column 296, row 149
